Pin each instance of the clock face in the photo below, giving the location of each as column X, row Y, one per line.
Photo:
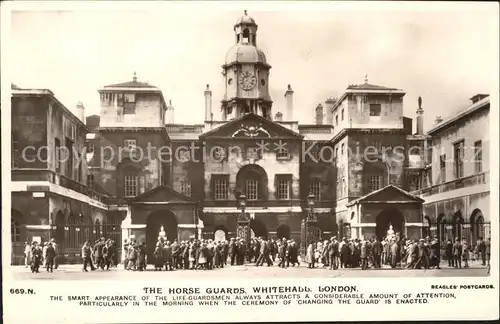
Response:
column 247, row 80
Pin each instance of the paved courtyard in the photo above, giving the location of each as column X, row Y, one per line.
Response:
column 74, row 272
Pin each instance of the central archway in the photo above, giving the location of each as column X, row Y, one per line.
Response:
column 385, row 219
column 156, row 220
column 258, row 228
column 283, row 231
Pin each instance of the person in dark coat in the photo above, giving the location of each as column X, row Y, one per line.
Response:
column 132, row 256
column 185, row 255
column 232, row 250
column 449, row 254
column 481, row 247
column 167, row 257
column 434, row 254
column 377, row 253
column 282, row 248
column 241, row 252
column 363, row 254
column 86, row 252
column 393, row 250
column 345, row 253
column 457, row 253
column 50, row 255
column 175, row 254
column 158, row 254
column 225, row 251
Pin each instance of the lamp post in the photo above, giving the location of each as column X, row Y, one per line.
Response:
column 243, row 224
column 309, row 229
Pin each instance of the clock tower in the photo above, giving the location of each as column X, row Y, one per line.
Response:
column 246, row 74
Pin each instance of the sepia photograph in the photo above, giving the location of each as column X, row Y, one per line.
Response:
column 211, row 143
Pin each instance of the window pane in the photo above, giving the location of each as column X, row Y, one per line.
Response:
column 375, row 109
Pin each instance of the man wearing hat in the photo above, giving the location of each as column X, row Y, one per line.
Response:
column 56, row 251
column 457, row 253
column 377, row 253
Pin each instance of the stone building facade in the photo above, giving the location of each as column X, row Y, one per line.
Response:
column 142, row 172
column 457, row 186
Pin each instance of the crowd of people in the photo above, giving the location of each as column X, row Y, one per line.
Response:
column 207, row 254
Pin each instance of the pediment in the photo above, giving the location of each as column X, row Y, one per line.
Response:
column 251, row 126
column 162, row 194
column 389, row 194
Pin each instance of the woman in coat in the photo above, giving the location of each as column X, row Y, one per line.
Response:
column 203, row 256
column 132, row 257
column 310, row 255
column 158, row 257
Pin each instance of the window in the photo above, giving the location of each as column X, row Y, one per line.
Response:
column 90, row 147
column 442, row 167
column 315, row 189
column 57, row 151
column 131, row 186
column 130, row 144
column 342, row 115
column 283, row 187
column 90, row 180
column 375, row 110
column 220, row 187
column 129, row 104
column 342, row 150
column 377, row 145
column 282, row 153
column 478, row 157
column 252, row 189
column 186, row 188
column 337, row 120
column 458, row 149
column 336, row 152
column 374, row 183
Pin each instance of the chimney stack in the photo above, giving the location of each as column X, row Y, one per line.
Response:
column 329, row 103
column 208, row 104
column 278, row 117
column 289, row 103
column 438, row 119
column 80, row 111
column 170, row 112
column 319, row 114
column 420, row 118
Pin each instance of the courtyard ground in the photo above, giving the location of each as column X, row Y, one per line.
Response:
column 74, row 272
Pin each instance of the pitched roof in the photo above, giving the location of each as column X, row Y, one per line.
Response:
column 131, row 84
column 165, row 189
column 247, row 116
column 14, row 87
column 368, row 86
column 373, row 193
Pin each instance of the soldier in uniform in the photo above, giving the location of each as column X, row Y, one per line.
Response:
column 86, row 252
column 175, row 253
column 232, row 250
column 457, row 253
column 363, row 254
column 167, row 257
column 377, row 253
column 282, row 249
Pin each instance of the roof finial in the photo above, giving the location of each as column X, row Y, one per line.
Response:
column 366, row 78
column 135, row 77
column 245, row 12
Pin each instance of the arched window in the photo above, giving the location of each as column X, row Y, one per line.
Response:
column 458, row 221
column 477, row 226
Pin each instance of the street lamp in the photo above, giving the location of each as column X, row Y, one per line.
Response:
column 309, row 229
column 243, row 224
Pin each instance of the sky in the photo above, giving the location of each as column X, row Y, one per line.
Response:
column 445, row 54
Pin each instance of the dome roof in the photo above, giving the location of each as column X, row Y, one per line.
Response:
column 245, row 54
column 245, row 19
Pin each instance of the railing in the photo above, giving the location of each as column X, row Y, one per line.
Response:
column 58, row 179
column 473, row 180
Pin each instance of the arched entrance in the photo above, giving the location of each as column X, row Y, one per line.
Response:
column 258, row 228
column 156, row 220
column 283, row 231
column 385, row 219
column 17, row 237
column 477, row 225
column 251, row 180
